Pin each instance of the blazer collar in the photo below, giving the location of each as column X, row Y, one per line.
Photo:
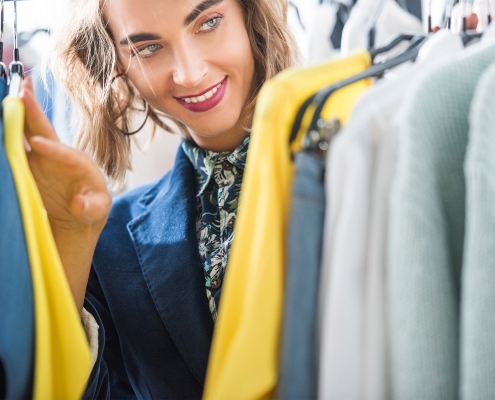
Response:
column 166, row 244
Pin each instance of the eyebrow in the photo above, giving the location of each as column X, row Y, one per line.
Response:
column 143, row 37
column 139, row 37
column 199, row 9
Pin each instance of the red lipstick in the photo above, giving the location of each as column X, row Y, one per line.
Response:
column 207, row 104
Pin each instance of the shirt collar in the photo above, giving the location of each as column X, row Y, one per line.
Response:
column 204, row 161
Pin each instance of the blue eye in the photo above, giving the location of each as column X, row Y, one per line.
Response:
column 148, row 50
column 210, row 24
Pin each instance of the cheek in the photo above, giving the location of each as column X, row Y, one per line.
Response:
column 234, row 56
column 238, row 48
column 151, row 84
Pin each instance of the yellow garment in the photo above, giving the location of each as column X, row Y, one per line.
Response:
column 62, row 355
column 245, row 351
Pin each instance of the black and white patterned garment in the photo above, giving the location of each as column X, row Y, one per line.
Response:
column 219, row 179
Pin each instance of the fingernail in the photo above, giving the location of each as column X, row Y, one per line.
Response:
column 38, row 139
column 85, row 207
column 27, row 146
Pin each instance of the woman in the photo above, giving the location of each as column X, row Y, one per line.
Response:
column 142, row 269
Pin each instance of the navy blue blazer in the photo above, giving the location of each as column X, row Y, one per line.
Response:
column 147, row 292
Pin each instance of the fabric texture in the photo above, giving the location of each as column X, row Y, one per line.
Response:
column 146, row 291
column 298, row 375
column 62, row 356
column 478, row 272
column 427, row 229
column 362, row 162
column 16, row 289
column 245, row 353
column 218, row 180
column 344, row 276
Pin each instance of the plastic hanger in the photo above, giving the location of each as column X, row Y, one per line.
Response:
column 319, row 99
column 450, row 5
column 372, row 34
column 374, row 71
column 298, row 14
column 16, row 67
column 467, row 36
column 25, row 37
column 302, row 110
column 415, row 40
column 373, row 22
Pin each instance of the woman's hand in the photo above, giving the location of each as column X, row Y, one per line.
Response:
column 72, row 187
column 73, row 190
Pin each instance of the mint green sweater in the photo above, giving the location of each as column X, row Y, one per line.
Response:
column 426, row 232
column 478, row 272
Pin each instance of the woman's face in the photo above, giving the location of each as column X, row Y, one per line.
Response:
column 189, row 58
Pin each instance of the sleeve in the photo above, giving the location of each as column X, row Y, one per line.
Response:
column 108, row 378
column 91, row 328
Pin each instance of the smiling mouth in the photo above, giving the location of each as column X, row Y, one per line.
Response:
column 206, row 100
column 199, row 99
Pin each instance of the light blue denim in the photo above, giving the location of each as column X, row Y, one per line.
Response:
column 299, row 361
column 16, row 291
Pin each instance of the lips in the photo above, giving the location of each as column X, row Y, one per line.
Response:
column 206, row 100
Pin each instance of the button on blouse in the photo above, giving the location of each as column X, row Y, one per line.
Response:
column 218, row 179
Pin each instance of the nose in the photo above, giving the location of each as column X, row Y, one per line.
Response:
column 190, row 67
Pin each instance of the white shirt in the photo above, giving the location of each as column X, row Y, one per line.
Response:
column 393, row 20
column 361, row 165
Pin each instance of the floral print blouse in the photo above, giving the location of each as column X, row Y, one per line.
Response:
column 218, row 181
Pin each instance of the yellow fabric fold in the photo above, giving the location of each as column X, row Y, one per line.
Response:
column 62, row 355
column 244, row 358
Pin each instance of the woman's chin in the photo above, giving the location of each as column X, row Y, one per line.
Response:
column 214, row 130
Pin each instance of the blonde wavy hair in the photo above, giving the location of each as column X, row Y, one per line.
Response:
column 83, row 59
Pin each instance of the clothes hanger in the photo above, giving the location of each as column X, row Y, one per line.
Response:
column 319, row 99
column 393, row 43
column 318, row 142
column 373, row 22
column 16, row 67
column 3, row 67
column 374, row 71
column 467, row 36
column 450, row 5
column 25, row 37
column 416, row 40
column 298, row 14
column 377, row 70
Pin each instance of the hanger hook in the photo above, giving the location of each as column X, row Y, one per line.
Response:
column 16, row 44
column 2, row 20
column 16, row 67
column 3, row 68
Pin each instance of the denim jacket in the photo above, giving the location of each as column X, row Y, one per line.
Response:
column 146, row 291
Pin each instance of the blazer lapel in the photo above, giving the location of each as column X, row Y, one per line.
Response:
column 166, row 244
